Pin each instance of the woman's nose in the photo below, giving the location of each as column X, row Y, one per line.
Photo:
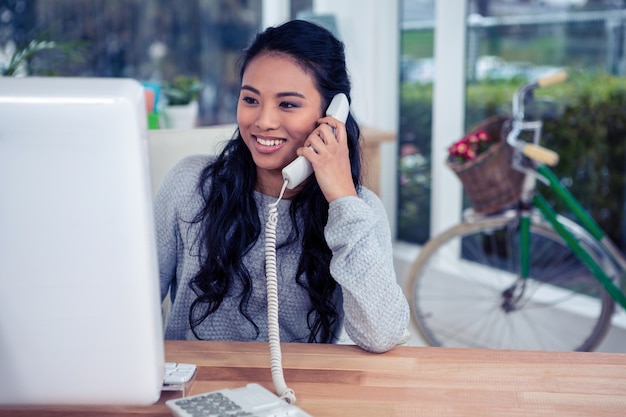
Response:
column 267, row 119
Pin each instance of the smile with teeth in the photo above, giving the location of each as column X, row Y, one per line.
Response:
column 269, row 142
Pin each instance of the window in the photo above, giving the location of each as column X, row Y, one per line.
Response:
column 414, row 133
column 508, row 42
column 146, row 40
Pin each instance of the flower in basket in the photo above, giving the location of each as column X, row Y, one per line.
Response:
column 469, row 147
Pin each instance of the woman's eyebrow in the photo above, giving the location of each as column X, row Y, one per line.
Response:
column 250, row 88
column 280, row 95
column 290, row 94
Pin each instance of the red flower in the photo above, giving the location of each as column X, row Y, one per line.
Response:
column 461, row 148
column 469, row 147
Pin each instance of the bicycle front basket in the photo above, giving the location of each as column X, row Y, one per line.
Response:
column 489, row 181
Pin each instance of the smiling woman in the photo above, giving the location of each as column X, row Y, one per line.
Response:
column 334, row 266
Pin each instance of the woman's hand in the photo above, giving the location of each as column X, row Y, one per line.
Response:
column 330, row 158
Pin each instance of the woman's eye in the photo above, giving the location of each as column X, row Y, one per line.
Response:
column 249, row 100
column 288, row 105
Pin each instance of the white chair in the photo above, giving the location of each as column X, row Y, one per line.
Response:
column 168, row 146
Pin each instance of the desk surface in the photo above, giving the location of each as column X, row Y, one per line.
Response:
column 342, row 380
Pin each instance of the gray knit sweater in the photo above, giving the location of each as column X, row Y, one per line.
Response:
column 375, row 312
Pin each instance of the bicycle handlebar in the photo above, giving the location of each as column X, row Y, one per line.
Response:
column 554, row 78
column 533, row 150
column 541, row 154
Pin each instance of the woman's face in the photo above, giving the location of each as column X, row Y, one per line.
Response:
column 278, row 108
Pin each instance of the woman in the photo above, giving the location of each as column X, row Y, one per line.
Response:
column 334, row 251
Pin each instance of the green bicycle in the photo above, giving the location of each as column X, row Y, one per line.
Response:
column 525, row 277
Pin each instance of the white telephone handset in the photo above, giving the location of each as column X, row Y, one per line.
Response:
column 300, row 169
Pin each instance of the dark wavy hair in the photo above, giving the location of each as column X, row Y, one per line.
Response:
column 229, row 220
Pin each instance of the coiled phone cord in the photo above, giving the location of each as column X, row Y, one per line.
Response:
column 271, row 278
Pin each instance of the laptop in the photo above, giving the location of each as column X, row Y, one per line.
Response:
column 80, row 317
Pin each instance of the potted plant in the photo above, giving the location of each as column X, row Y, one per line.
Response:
column 15, row 61
column 181, row 96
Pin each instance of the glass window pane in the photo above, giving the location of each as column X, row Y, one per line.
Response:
column 147, row 40
column 508, row 43
column 414, row 132
column 513, row 42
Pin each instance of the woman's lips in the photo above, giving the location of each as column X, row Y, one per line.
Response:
column 268, row 144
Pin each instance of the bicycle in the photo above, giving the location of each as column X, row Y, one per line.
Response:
column 525, row 277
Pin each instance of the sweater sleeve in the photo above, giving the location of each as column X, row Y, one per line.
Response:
column 376, row 311
column 174, row 204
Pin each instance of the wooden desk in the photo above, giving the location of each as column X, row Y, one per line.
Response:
column 341, row 380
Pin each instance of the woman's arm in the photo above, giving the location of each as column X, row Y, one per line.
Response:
column 376, row 311
column 173, row 205
column 166, row 232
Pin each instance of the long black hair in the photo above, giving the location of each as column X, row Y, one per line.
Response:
column 229, row 219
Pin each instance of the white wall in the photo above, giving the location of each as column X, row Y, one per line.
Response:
column 369, row 29
column 274, row 12
column 448, row 110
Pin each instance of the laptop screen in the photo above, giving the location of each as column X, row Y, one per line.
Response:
column 80, row 318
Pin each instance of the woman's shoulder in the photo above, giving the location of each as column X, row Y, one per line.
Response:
column 183, row 177
column 192, row 164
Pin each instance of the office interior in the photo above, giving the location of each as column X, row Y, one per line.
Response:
column 374, row 35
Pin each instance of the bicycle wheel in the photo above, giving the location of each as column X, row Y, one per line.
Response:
column 464, row 289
